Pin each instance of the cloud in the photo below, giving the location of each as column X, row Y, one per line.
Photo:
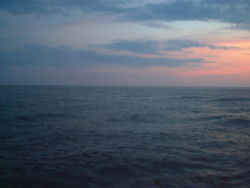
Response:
column 178, row 45
column 157, row 47
column 40, row 56
column 158, row 25
column 231, row 11
column 142, row 46
column 52, row 6
column 220, row 10
column 245, row 27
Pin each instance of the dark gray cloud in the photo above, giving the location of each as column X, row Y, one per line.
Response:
column 156, row 47
column 66, row 56
column 52, row 6
column 232, row 11
column 220, row 10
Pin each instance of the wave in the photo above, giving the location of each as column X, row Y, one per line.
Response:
column 211, row 118
column 191, row 97
column 9, row 148
column 233, row 99
column 197, row 180
column 238, row 121
column 41, row 116
column 192, row 165
column 6, row 137
column 136, row 118
column 229, row 120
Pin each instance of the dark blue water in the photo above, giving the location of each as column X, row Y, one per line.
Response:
column 124, row 137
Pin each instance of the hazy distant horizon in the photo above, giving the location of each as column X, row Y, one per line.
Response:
column 167, row 86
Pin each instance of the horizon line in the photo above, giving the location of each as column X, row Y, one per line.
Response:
column 76, row 85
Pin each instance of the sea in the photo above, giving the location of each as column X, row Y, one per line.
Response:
column 124, row 137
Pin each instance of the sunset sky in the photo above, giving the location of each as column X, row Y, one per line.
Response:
column 125, row 42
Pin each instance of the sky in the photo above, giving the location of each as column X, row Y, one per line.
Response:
column 125, row 42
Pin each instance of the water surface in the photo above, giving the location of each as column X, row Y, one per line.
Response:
column 124, row 137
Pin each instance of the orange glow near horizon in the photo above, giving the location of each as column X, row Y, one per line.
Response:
column 229, row 64
column 235, row 61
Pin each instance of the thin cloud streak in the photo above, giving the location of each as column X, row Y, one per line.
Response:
column 158, row 47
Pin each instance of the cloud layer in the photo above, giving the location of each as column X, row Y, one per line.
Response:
column 221, row 10
column 158, row 47
column 39, row 55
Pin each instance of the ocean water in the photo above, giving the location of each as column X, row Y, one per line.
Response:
column 124, row 137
